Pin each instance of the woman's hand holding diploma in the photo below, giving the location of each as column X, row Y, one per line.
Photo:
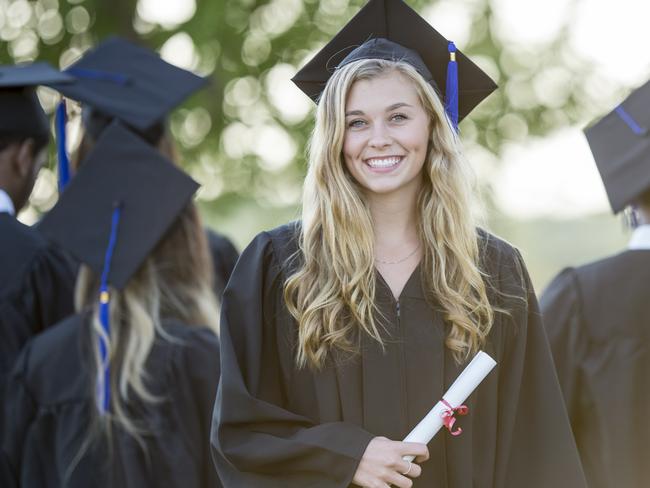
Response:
column 382, row 464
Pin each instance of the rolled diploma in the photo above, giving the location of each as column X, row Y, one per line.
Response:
column 465, row 384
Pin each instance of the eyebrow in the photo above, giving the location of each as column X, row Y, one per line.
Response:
column 388, row 109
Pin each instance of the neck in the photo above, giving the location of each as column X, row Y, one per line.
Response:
column 394, row 220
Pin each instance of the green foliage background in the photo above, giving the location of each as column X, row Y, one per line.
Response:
column 240, row 42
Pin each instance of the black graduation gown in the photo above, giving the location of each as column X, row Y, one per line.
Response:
column 598, row 322
column 50, row 402
column 224, row 257
column 36, row 289
column 277, row 426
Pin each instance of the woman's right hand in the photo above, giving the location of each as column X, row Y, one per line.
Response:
column 382, row 465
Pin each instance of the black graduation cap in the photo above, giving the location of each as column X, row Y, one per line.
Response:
column 620, row 143
column 21, row 113
column 112, row 215
column 122, row 171
column 390, row 29
column 130, row 83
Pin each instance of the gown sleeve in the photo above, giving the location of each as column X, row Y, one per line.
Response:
column 197, row 376
column 20, row 411
column 44, row 297
column 561, row 311
column 256, row 440
column 7, row 478
column 536, row 446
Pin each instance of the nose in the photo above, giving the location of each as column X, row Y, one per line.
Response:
column 379, row 137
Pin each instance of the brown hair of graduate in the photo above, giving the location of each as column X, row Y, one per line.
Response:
column 331, row 295
column 174, row 282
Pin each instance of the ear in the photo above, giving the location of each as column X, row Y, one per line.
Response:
column 24, row 159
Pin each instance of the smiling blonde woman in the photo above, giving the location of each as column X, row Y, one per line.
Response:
column 341, row 331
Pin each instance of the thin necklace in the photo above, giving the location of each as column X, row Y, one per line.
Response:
column 399, row 260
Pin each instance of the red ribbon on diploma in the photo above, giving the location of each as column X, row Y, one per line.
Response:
column 448, row 419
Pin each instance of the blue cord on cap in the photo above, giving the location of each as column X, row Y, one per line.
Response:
column 629, row 120
column 63, row 162
column 104, row 386
column 451, row 89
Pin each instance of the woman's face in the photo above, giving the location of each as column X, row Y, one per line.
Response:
column 386, row 136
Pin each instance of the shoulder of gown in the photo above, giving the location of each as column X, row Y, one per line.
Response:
column 19, row 245
column 256, row 439
column 534, row 429
column 40, row 292
column 52, row 392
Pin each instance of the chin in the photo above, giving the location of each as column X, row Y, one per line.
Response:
column 381, row 189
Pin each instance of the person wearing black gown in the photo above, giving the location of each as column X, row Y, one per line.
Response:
column 341, row 331
column 36, row 280
column 121, row 393
column 598, row 315
column 119, row 80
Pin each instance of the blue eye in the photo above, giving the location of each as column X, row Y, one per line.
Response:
column 356, row 123
column 398, row 117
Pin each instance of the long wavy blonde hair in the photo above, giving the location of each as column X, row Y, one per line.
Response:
column 332, row 293
column 174, row 282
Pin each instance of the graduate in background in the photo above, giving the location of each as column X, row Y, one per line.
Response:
column 340, row 332
column 36, row 280
column 118, row 80
column 121, row 394
column 598, row 315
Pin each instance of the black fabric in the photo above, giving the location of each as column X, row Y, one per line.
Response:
column 277, row 426
column 623, row 156
column 129, row 82
column 598, row 317
column 51, row 401
column 30, row 74
column 224, row 257
column 21, row 114
column 123, row 170
column 36, row 290
column 412, row 40
column 391, row 51
column 95, row 122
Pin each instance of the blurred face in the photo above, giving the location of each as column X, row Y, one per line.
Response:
column 387, row 134
column 32, row 166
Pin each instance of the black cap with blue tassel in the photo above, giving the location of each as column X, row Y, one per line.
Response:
column 119, row 80
column 620, row 143
column 21, row 114
column 390, row 29
column 113, row 213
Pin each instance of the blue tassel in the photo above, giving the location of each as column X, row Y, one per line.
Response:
column 104, row 387
column 64, row 163
column 451, row 90
column 631, row 123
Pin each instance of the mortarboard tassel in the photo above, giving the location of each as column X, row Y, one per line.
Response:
column 451, row 89
column 104, row 383
column 629, row 120
column 63, row 162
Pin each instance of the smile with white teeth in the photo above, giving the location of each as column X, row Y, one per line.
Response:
column 383, row 162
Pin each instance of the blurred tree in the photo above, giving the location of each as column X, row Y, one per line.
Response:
column 244, row 136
